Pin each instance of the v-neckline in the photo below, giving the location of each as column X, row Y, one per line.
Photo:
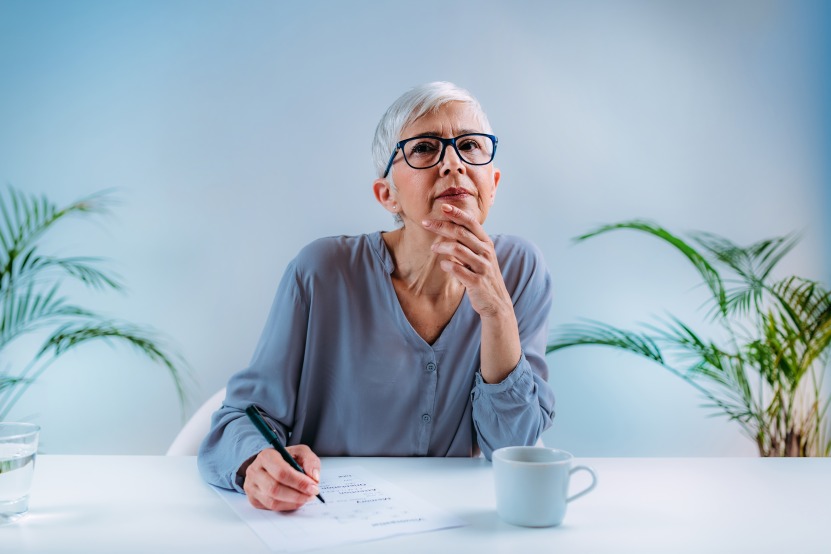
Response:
column 446, row 325
column 403, row 322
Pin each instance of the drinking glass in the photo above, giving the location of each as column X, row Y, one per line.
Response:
column 18, row 447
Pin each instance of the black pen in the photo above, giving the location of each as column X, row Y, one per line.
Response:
column 270, row 435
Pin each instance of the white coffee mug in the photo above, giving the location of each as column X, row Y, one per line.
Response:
column 532, row 484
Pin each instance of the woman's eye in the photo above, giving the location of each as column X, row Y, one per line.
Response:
column 423, row 148
column 468, row 145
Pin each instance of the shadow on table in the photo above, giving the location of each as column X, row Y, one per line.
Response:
column 488, row 522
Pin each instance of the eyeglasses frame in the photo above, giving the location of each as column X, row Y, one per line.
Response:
column 444, row 143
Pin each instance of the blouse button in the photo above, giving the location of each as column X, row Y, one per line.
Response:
column 431, row 367
column 426, row 418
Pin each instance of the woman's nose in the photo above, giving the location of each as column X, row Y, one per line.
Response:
column 451, row 162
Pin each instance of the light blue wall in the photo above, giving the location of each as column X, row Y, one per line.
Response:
column 822, row 41
column 237, row 132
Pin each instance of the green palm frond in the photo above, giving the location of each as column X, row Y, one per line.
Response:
column 7, row 382
column 752, row 264
column 31, row 310
column 596, row 333
column 709, row 363
column 82, row 268
column 94, row 328
column 808, row 307
column 146, row 341
column 739, row 300
column 768, row 253
column 676, row 335
column 707, row 272
column 26, row 218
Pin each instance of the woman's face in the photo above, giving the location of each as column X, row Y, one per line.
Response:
column 421, row 192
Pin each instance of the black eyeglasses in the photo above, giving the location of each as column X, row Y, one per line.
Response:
column 426, row 152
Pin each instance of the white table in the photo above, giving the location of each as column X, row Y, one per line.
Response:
column 669, row 505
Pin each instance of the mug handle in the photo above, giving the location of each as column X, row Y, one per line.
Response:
column 587, row 489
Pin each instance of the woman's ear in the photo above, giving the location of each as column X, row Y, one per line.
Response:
column 385, row 195
column 496, row 176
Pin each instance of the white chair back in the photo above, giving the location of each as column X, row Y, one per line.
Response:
column 190, row 437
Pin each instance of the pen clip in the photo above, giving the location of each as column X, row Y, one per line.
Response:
column 265, row 420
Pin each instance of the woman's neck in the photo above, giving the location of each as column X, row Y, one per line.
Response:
column 417, row 266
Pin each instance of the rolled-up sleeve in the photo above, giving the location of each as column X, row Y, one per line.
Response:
column 513, row 412
column 517, row 410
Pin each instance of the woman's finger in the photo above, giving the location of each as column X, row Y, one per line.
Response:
column 456, row 234
column 281, row 472
column 307, row 459
column 461, row 255
column 272, row 483
column 465, row 219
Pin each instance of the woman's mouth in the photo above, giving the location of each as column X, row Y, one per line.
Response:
column 454, row 193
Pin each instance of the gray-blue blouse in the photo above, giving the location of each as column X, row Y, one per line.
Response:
column 340, row 369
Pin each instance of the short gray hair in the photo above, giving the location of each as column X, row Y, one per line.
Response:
column 412, row 105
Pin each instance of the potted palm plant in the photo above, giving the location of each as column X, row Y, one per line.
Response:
column 767, row 373
column 31, row 298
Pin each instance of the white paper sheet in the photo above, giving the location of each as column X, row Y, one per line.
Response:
column 359, row 507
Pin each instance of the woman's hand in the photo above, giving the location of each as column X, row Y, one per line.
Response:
column 471, row 259
column 272, row 484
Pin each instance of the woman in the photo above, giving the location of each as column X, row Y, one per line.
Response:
column 428, row 340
